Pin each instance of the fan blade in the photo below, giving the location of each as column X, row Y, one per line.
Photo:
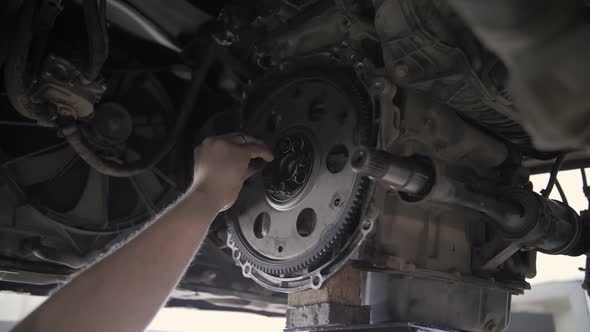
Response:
column 93, row 206
column 42, row 166
column 143, row 197
column 34, row 154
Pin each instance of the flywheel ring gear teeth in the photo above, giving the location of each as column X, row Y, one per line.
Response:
column 346, row 79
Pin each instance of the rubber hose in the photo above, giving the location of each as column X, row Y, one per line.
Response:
column 107, row 167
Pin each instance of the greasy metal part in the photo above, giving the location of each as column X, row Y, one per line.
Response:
column 63, row 86
column 544, row 45
column 501, row 257
column 503, row 212
column 290, row 170
column 453, row 306
column 415, row 177
column 434, row 130
column 402, row 174
column 426, row 246
column 549, row 226
column 313, row 279
column 426, row 239
column 390, row 113
column 278, row 235
column 321, row 26
column 528, row 219
column 545, row 225
column 426, row 48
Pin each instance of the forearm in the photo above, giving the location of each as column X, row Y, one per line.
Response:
column 126, row 289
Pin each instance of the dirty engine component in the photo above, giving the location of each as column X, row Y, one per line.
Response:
column 303, row 208
column 399, row 197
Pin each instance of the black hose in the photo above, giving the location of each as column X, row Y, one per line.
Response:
column 108, row 167
column 16, row 70
column 98, row 38
column 561, row 193
column 553, row 176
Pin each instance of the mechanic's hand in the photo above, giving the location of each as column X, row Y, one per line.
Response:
column 222, row 163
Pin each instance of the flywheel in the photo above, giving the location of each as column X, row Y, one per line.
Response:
column 301, row 211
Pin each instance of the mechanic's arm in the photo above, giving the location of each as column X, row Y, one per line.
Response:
column 125, row 290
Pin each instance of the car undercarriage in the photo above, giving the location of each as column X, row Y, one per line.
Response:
column 404, row 134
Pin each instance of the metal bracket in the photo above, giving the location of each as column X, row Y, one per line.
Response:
column 61, row 85
column 384, row 91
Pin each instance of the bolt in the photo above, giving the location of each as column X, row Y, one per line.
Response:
column 401, row 71
column 63, row 111
column 337, row 202
column 490, row 326
column 429, row 124
column 359, row 66
column 346, row 22
column 317, row 111
column 378, row 85
column 114, row 125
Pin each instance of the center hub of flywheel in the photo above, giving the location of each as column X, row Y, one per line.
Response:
column 291, row 169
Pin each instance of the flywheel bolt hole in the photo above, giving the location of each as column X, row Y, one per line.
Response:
column 337, row 159
column 306, row 222
column 316, row 281
column 261, row 225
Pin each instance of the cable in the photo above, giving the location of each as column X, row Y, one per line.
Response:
column 561, row 192
column 553, row 175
